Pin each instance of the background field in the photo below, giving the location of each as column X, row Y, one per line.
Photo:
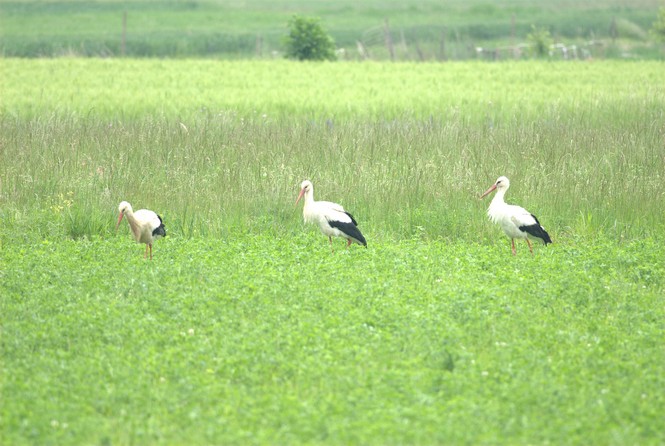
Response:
column 423, row 30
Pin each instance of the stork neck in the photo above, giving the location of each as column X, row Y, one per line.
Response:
column 499, row 195
column 309, row 197
column 133, row 224
column 308, row 206
column 498, row 200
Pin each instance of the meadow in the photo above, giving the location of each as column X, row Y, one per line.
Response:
column 427, row 29
column 256, row 339
column 246, row 329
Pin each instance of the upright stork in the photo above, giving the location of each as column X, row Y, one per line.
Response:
column 332, row 219
column 146, row 226
column 515, row 221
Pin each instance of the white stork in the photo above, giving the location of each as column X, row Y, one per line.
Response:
column 515, row 221
column 145, row 225
column 332, row 219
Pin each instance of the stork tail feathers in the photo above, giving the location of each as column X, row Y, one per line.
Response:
column 352, row 219
column 159, row 230
column 349, row 229
column 537, row 231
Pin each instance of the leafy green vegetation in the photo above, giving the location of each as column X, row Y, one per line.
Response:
column 427, row 30
column 658, row 27
column 307, row 40
column 260, row 339
column 245, row 329
column 540, row 41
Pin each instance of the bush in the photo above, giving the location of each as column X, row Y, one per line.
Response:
column 541, row 40
column 307, row 40
column 658, row 27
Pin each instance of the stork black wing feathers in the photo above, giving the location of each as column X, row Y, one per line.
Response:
column 537, row 231
column 349, row 228
column 159, row 230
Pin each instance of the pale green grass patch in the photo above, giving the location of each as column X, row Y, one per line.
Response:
column 276, row 340
column 472, row 91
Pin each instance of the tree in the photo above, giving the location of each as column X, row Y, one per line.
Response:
column 658, row 27
column 307, row 40
column 541, row 40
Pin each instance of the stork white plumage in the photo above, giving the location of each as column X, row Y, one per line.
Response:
column 515, row 221
column 146, row 225
column 332, row 219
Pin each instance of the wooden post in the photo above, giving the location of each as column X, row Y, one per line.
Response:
column 442, row 45
column 512, row 36
column 123, row 45
column 512, row 30
column 458, row 44
column 421, row 55
column 614, row 30
column 362, row 50
column 259, row 45
column 389, row 40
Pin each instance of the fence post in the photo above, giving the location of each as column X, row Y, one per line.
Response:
column 123, row 45
column 389, row 41
column 259, row 45
column 442, row 45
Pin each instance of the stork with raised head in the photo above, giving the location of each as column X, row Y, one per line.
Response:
column 146, row 226
column 516, row 222
column 332, row 219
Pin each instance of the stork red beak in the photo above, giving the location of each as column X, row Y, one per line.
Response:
column 488, row 191
column 119, row 220
column 302, row 192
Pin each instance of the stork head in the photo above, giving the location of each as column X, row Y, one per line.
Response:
column 501, row 183
column 306, row 187
column 122, row 208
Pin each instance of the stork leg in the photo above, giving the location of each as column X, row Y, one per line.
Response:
column 348, row 243
column 513, row 246
column 331, row 246
column 530, row 248
column 145, row 254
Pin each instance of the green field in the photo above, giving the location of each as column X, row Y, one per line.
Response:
column 423, row 30
column 246, row 329
column 256, row 339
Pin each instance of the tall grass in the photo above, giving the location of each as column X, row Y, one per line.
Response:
column 403, row 177
column 222, row 147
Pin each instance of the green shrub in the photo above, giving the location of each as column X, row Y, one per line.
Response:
column 540, row 39
column 307, row 40
column 658, row 27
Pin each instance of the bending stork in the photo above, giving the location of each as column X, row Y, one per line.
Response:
column 146, row 226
